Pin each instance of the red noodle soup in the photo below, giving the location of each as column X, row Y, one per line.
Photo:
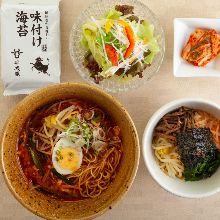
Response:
column 70, row 149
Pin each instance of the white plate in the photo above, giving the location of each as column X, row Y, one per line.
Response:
column 183, row 28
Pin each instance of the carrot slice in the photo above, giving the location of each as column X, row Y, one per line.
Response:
column 145, row 41
column 123, row 22
column 130, row 35
column 214, row 136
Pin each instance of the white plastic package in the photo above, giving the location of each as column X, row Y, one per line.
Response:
column 30, row 45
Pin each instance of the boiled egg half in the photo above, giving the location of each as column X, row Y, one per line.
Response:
column 66, row 157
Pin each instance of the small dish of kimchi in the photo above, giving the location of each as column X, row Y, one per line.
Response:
column 184, row 31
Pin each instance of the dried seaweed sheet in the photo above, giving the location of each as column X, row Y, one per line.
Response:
column 198, row 153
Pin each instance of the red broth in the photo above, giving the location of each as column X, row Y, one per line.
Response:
column 99, row 165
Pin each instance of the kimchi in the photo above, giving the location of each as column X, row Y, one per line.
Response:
column 202, row 47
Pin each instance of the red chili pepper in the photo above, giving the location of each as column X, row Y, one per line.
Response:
column 112, row 54
column 130, row 35
column 214, row 136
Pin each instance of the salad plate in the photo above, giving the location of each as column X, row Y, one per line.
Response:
column 117, row 51
column 183, row 28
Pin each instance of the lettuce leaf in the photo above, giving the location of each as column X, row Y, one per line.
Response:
column 89, row 42
column 113, row 14
column 124, row 79
column 146, row 30
column 83, row 44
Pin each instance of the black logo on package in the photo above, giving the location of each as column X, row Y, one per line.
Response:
column 39, row 66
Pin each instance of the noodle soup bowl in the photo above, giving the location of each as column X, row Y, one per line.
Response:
column 45, row 206
column 196, row 189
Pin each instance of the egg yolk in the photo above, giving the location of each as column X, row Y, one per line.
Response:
column 68, row 158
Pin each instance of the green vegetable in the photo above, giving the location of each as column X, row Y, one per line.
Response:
column 90, row 32
column 96, row 119
column 145, row 30
column 45, row 192
column 113, row 14
column 88, row 133
column 203, row 169
column 64, row 179
column 198, row 153
column 108, row 38
column 74, row 121
column 84, row 125
column 74, row 131
column 34, row 155
column 70, row 153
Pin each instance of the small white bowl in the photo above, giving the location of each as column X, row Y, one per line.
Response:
column 183, row 28
column 176, row 186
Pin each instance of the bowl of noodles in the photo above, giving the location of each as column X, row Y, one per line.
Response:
column 181, row 147
column 69, row 151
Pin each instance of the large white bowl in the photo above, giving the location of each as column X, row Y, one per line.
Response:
column 176, row 186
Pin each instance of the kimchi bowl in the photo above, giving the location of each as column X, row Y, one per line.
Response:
column 175, row 185
column 67, row 199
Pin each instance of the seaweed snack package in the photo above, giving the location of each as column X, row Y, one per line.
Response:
column 30, row 45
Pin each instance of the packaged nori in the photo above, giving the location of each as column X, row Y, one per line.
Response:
column 30, row 45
